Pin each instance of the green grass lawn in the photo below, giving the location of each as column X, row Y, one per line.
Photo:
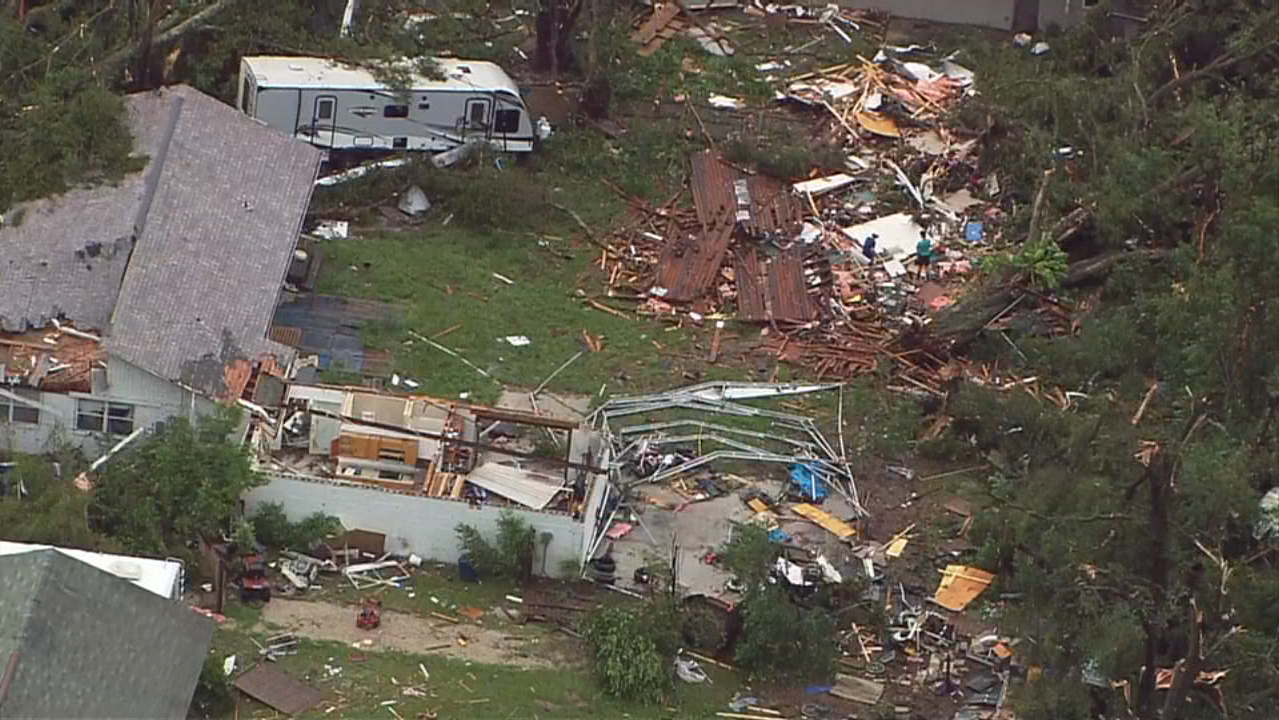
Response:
column 457, row 689
column 432, row 588
column 421, row 269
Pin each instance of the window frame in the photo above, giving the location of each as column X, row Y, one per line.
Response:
column 112, row 419
column 499, row 125
column 31, row 413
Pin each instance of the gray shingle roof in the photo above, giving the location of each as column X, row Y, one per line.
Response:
column 92, row 645
column 207, row 270
column 64, row 256
column 211, row 223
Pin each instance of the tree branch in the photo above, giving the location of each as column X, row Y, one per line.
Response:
column 1224, row 62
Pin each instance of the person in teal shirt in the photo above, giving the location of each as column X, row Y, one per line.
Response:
column 923, row 255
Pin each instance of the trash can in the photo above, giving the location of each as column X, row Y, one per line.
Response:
column 466, row 571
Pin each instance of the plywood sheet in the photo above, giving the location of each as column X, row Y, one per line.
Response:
column 960, row 585
column 278, row 690
column 831, row 523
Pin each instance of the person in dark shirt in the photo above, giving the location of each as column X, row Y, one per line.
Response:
column 868, row 247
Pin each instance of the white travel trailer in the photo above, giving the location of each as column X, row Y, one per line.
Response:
column 341, row 107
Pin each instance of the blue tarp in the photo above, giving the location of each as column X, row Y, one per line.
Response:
column 806, row 483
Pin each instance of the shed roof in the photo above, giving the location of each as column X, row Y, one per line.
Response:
column 278, row 71
column 524, row 487
column 89, row 644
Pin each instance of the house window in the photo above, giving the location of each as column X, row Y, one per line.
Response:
column 506, row 121
column 98, row 416
column 119, row 418
column 387, row 475
column 18, row 412
column 395, row 111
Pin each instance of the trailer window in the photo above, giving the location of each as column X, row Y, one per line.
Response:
column 506, row 121
column 246, row 95
column 478, row 111
column 324, row 110
column 395, row 111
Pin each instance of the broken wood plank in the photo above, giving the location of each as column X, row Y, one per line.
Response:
column 660, row 18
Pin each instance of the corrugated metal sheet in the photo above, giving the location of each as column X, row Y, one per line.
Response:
column 712, row 183
column 524, row 487
column 752, row 300
column 688, row 267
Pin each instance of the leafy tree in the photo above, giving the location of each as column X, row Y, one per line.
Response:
column 179, row 482
column 780, row 639
column 53, row 511
column 632, row 648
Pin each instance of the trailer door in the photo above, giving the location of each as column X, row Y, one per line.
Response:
column 324, row 120
column 477, row 117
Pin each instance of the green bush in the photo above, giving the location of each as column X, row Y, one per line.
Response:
column 273, row 528
column 631, row 650
column 512, row 554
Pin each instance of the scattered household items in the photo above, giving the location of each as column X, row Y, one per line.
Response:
column 365, row 576
column 278, row 646
column 414, row 202
column 345, row 107
column 370, row 613
column 252, row 579
column 277, row 689
column 689, row 670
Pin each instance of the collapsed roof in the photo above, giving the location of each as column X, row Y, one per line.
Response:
column 181, row 264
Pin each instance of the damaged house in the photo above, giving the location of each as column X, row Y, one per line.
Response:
column 124, row 304
column 411, row 468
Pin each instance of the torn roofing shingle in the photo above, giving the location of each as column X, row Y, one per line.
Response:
column 92, row 645
column 206, row 272
column 64, row 256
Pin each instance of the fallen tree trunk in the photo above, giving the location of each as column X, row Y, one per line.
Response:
column 1096, row 269
column 112, row 64
column 961, row 323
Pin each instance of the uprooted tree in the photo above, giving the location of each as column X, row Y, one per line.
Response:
column 1126, row 516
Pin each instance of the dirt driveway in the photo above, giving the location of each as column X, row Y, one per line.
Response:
column 401, row 631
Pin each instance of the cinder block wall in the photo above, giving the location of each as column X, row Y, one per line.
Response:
column 412, row 523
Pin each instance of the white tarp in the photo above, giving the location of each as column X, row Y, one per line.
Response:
column 524, row 487
column 898, row 235
column 162, row 577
